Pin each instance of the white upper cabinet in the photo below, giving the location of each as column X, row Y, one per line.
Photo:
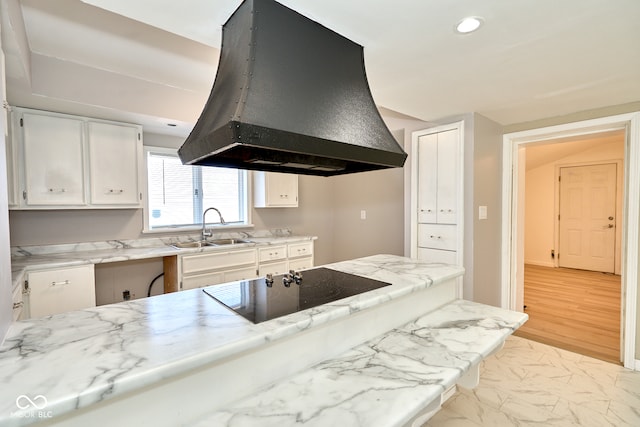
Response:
column 69, row 162
column 53, row 160
column 438, row 176
column 114, row 181
column 275, row 190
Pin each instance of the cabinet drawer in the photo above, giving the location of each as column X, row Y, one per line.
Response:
column 272, row 253
column 438, row 255
column 201, row 280
column 274, row 268
column 437, row 236
column 300, row 249
column 301, row 264
column 240, row 274
column 59, row 291
column 193, row 264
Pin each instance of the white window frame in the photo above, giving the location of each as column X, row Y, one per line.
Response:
column 195, row 227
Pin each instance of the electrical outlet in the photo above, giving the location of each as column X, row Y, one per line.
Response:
column 126, row 295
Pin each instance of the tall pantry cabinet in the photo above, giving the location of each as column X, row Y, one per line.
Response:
column 437, row 194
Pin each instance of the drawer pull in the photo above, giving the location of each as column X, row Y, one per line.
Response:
column 57, row 190
column 435, row 237
column 62, row 282
column 115, row 191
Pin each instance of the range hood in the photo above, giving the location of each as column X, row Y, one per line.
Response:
column 289, row 96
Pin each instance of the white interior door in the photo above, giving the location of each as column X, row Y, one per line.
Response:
column 588, row 217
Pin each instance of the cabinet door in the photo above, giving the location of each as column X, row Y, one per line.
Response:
column 301, row 263
column 447, row 192
column 274, row 268
column 273, row 189
column 53, row 160
column 113, row 161
column 61, row 290
column 201, row 280
column 427, row 177
column 437, row 255
column 245, row 273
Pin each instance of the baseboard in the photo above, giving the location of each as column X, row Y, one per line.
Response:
column 637, row 367
column 540, row 263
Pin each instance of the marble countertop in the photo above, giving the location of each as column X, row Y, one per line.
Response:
column 80, row 358
column 24, row 258
column 384, row 382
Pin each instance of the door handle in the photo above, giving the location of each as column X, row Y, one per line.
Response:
column 610, row 218
column 608, row 226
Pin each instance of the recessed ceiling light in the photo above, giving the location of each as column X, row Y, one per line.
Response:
column 469, row 24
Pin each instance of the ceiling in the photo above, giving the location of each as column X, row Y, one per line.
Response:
column 153, row 62
column 548, row 152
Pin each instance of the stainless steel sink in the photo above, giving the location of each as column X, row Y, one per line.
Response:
column 190, row 245
column 205, row 243
column 220, row 242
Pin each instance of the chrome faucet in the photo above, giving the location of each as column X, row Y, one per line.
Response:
column 206, row 233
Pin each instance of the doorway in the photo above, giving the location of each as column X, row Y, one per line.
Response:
column 513, row 212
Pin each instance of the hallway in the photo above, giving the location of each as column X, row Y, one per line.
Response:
column 575, row 310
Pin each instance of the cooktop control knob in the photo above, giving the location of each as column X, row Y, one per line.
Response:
column 269, row 280
column 287, row 279
column 297, row 277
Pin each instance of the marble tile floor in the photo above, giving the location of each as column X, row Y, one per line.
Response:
column 533, row 384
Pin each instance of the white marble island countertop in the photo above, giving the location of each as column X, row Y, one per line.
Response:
column 77, row 359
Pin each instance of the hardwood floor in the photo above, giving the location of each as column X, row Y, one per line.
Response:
column 575, row 310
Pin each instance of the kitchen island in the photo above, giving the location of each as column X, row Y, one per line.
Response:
column 180, row 357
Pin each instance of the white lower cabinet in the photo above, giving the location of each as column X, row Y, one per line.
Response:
column 272, row 260
column 60, row 290
column 437, row 236
column 300, row 255
column 274, row 268
column 213, row 268
column 438, row 255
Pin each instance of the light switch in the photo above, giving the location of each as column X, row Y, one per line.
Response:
column 363, row 214
column 482, row 212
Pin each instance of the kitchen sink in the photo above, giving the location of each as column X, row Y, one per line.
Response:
column 189, row 245
column 221, row 242
column 205, row 243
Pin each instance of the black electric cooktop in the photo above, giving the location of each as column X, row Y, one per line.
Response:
column 269, row 297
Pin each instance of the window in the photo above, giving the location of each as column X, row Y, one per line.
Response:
column 177, row 194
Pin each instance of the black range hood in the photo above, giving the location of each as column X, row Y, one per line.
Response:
column 289, row 96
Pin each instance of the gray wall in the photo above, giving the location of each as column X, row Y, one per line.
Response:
column 487, row 191
column 381, row 195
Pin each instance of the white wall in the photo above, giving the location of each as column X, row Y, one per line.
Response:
column 540, row 197
column 6, row 304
